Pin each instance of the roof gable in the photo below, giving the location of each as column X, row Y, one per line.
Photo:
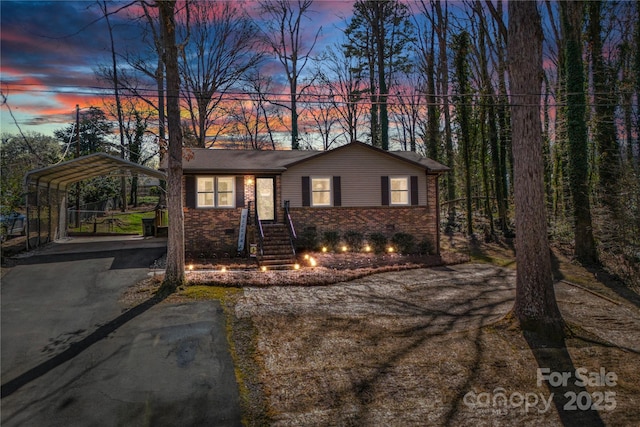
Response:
column 410, row 157
column 228, row 161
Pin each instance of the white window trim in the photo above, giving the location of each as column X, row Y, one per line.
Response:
column 215, row 192
column 407, row 191
column 312, row 192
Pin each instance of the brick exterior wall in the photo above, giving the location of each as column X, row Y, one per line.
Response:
column 209, row 231
column 419, row 221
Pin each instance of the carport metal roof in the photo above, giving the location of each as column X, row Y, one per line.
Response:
column 86, row 167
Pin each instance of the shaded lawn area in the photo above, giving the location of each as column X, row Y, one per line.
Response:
column 428, row 346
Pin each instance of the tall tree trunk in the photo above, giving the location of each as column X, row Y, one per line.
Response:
column 604, row 97
column 174, row 275
column 433, row 115
column 499, row 121
column 572, row 13
column 443, row 76
column 463, row 113
column 380, row 34
column 116, row 88
column 548, row 161
column 489, row 132
column 535, row 306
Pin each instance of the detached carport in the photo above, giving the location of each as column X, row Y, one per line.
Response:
column 46, row 191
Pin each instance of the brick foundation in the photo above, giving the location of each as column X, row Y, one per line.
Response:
column 419, row 221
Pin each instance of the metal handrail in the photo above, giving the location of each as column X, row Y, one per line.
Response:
column 292, row 230
column 260, row 230
column 288, row 220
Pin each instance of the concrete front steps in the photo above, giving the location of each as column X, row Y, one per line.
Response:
column 277, row 251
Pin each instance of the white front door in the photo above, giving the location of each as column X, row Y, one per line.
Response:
column 266, row 198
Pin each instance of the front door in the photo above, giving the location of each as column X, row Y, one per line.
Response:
column 266, row 198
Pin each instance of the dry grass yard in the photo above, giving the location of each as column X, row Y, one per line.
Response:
column 429, row 346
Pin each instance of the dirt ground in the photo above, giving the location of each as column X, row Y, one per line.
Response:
column 430, row 346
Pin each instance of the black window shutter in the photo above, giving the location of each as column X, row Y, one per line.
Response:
column 239, row 191
column 414, row 191
column 384, row 185
column 306, row 193
column 190, row 190
column 337, row 192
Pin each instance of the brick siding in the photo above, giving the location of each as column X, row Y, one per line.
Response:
column 209, row 231
column 419, row 221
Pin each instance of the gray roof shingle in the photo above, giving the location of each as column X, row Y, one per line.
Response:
column 269, row 161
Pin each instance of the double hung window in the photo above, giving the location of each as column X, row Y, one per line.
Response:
column 320, row 191
column 216, row 191
column 399, row 190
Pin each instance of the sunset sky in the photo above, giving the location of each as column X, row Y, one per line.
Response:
column 50, row 50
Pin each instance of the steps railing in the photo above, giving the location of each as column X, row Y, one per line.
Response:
column 292, row 230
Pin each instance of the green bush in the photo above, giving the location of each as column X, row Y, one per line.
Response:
column 354, row 240
column 308, row 239
column 426, row 247
column 404, row 243
column 378, row 242
column 331, row 239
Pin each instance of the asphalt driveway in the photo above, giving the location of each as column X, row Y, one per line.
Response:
column 71, row 355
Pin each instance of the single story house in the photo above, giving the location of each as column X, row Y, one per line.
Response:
column 355, row 187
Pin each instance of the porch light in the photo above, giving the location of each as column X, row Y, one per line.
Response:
column 344, row 249
column 367, row 248
column 250, row 181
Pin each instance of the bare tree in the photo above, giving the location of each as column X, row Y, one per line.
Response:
column 253, row 116
column 116, row 90
column 535, row 306
column 408, row 109
column 426, row 65
column 345, row 89
column 321, row 111
column 285, row 36
column 222, row 46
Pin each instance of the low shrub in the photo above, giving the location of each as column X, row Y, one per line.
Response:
column 378, row 242
column 354, row 240
column 331, row 239
column 426, row 247
column 307, row 239
column 404, row 243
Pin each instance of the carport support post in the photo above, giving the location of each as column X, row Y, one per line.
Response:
column 26, row 203
column 77, row 155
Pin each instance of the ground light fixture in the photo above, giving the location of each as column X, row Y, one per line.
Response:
column 190, row 267
column 344, row 249
column 324, row 249
column 296, row 266
column 367, row 248
column 263, row 268
column 390, row 249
